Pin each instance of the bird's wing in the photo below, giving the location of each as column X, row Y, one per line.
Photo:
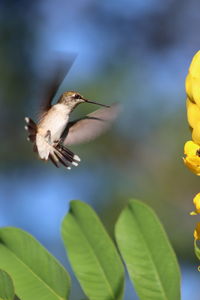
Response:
column 58, row 74
column 91, row 126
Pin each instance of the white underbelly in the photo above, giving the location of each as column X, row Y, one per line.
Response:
column 55, row 122
column 56, row 127
column 50, row 129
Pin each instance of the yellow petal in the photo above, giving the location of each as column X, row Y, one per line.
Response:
column 197, row 231
column 196, row 202
column 193, row 213
column 196, row 133
column 192, row 83
column 193, row 113
column 193, row 163
column 188, row 87
column 190, row 148
column 195, row 65
column 192, row 160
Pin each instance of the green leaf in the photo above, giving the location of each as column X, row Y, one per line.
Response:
column 35, row 272
column 6, row 286
column 149, row 257
column 196, row 249
column 92, row 254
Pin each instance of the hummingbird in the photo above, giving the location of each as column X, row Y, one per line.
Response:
column 53, row 132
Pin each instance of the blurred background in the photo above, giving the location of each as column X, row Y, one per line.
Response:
column 136, row 52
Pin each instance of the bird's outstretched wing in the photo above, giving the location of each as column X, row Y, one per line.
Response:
column 91, row 126
column 58, row 74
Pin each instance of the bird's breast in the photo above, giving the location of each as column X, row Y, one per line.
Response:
column 55, row 121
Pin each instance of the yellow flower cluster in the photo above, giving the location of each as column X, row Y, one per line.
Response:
column 192, row 148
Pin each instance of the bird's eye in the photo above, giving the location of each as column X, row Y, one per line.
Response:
column 76, row 96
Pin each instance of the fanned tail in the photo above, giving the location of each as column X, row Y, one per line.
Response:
column 58, row 154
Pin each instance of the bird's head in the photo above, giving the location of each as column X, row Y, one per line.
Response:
column 72, row 99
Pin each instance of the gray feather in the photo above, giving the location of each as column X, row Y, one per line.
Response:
column 91, row 126
column 58, row 73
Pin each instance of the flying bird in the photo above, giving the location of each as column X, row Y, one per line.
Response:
column 53, row 132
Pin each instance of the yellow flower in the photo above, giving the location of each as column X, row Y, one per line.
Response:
column 193, row 113
column 191, row 148
column 197, row 232
column 192, row 83
column 195, row 65
column 196, row 133
column 192, row 158
column 196, row 202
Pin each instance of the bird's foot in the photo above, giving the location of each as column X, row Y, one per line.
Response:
column 58, row 143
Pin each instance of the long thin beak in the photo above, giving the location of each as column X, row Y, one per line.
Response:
column 88, row 101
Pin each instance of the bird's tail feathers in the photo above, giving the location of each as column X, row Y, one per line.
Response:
column 61, row 155
column 57, row 153
column 31, row 127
